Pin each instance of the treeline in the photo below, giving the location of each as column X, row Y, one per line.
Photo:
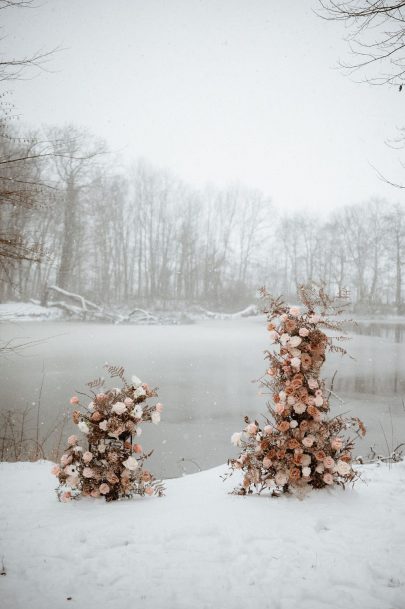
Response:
column 74, row 216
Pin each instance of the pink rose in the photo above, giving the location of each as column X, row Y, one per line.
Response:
column 128, row 402
column 336, row 443
column 72, row 440
column 312, row 383
column 65, row 459
column 294, row 311
column 266, row 462
column 88, row 473
column 104, row 488
column 137, row 448
column 74, row 400
column 279, row 408
column 308, row 441
column 149, row 491
column 55, row 470
column 328, row 462
column 87, row 456
column 159, row 407
column 66, row 496
column 251, row 428
column 303, row 332
column 328, row 478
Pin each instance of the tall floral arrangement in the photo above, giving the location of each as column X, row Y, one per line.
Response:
column 110, row 461
column 299, row 446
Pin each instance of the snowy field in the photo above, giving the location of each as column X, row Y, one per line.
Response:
column 200, row 547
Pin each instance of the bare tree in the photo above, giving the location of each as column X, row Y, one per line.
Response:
column 376, row 38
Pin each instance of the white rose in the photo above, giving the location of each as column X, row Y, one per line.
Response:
column 119, row 408
column 236, row 438
column 295, row 362
column 300, row 407
column 138, row 412
column 282, row 395
column 103, row 425
column 293, row 424
column 295, row 341
column 139, row 392
column 343, row 468
column 155, row 416
column 131, row 463
column 306, row 472
column 284, row 338
column 83, row 427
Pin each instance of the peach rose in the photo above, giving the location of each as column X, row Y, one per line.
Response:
column 87, row 456
column 303, row 332
column 294, row 311
column 266, row 462
column 88, row 472
column 149, row 491
column 251, row 429
column 55, row 470
column 279, row 407
column 72, row 440
column 328, row 462
column 308, row 441
column 137, row 448
column 336, row 443
column 283, row 426
column 104, row 488
column 281, row 478
column 74, row 400
column 328, row 478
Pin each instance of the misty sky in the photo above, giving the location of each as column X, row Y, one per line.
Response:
column 217, row 91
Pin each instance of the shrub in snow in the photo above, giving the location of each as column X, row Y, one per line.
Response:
column 299, row 446
column 111, row 463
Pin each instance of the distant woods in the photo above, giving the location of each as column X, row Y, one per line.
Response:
column 74, row 217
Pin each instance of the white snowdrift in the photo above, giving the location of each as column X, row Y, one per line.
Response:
column 200, row 547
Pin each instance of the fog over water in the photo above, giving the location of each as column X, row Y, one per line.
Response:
column 204, row 373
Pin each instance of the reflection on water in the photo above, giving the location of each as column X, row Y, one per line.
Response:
column 204, row 373
column 392, row 331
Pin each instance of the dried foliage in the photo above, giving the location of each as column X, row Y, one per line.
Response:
column 299, row 447
column 109, row 422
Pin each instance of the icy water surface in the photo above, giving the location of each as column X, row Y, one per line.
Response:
column 204, row 373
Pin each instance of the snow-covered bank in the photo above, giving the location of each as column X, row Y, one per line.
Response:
column 200, row 547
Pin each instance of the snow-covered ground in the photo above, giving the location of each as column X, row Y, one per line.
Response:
column 28, row 311
column 200, row 547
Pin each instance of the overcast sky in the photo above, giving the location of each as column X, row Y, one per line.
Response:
column 217, row 91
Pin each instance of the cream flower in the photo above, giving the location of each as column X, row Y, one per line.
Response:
column 305, row 460
column 119, row 408
column 88, row 472
column 284, row 338
column 303, row 332
column 103, row 425
column 294, row 311
column 343, row 468
column 312, row 383
column 268, row 430
column 131, row 463
column 295, row 362
column 281, row 478
column 295, row 341
column 251, row 429
column 300, row 407
column 84, row 428
column 282, row 395
column 318, row 400
column 306, row 472
column 293, row 424
column 139, row 392
column 236, row 438
column 308, row 441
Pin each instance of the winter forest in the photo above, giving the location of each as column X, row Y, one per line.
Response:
column 75, row 217
column 202, row 304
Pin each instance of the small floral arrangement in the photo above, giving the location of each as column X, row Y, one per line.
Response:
column 299, row 446
column 112, row 465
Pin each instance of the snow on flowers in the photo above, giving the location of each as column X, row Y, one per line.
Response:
column 110, row 465
column 299, row 447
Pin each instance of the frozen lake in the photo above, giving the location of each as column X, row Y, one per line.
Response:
column 204, row 373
